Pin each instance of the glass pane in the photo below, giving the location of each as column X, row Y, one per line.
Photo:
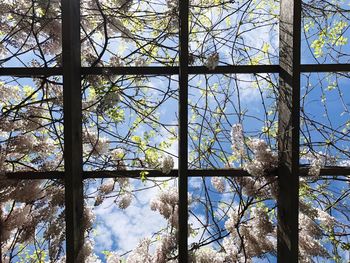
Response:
column 233, row 219
column 32, row 221
column 129, row 122
column 325, row 32
column 30, row 33
column 325, row 120
column 324, row 219
column 31, row 124
column 132, row 219
column 234, row 32
column 129, row 33
column 227, row 114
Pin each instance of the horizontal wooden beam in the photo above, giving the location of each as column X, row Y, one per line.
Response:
column 31, row 72
column 325, row 68
column 327, row 171
column 34, row 175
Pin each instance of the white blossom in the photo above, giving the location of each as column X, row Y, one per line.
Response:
column 113, row 258
column 110, row 100
column 207, row 255
column 218, row 183
column 326, row 219
column 88, row 217
column 125, row 200
column 256, row 232
column 166, row 203
column 264, row 159
column 237, row 138
column 99, row 145
column 107, row 187
column 212, row 61
column 98, row 200
column 316, row 160
column 167, row 164
column 167, row 244
column 141, row 253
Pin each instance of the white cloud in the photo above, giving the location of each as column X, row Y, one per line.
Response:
column 103, row 238
column 195, row 182
column 122, row 229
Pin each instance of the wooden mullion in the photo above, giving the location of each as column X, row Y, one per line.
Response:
column 73, row 163
column 288, row 131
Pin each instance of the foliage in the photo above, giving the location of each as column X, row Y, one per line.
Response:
column 131, row 122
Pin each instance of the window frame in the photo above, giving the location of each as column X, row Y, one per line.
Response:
column 289, row 70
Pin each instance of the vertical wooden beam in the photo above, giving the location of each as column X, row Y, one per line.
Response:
column 72, row 128
column 183, row 130
column 288, row 126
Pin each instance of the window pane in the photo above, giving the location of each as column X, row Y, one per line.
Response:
column 325, row 32
column 30, row 33
column 240, row 32
column 129, row 33
column 129, row 122
column 31, row 124
column 217, row 104
column 132, row 219
column 32, row 220
column 325, row 119
column 233, row 219
column 324, row 219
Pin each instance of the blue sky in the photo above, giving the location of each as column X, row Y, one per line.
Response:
column 120, row 230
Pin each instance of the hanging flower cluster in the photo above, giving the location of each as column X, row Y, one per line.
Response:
column 212, row 61
column 31, row 135
column 251, row 230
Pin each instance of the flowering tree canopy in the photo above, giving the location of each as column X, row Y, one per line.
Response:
column 130, row 124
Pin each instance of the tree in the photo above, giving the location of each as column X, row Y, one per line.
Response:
column 130, row 122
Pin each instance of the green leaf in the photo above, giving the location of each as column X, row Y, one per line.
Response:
column 143, row 176
column 136, row 139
